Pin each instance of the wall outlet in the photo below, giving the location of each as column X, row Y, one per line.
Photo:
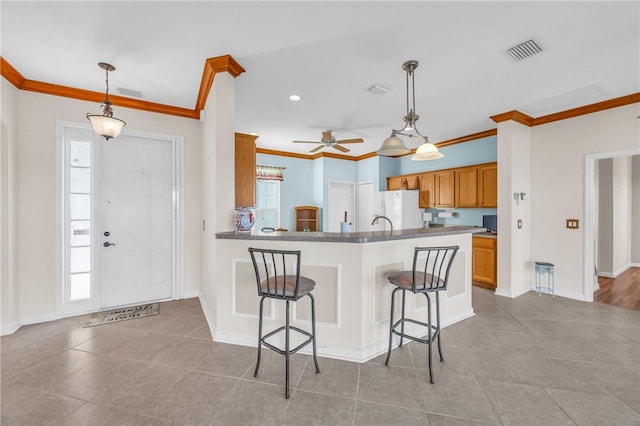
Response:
column 519, row 223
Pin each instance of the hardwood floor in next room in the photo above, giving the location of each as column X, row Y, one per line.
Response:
column 623, row 291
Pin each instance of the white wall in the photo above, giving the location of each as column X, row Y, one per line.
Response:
column 558, row 152
column 605, row 217
column 36, row 169
column 635, row 210
column 621, row 214
column 9, row 135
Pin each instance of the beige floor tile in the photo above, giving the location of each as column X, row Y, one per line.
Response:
column 202, row 332
column 189, row 307
column 400, row 357
column 26, row 406
column 454, row 359
column 70, row 339
column 525, row 405
column 394, row 386
column 96, row 415
column 500, row 366
column 370, row 414
column 456, row 395
column 252, row 403
column 229, row 360
column 337, row 378
column 180, row 325
column 194, row 399
column 18, row 355
column 440, row 420
column 594, row 409
column 560, row 373
column 50, row 371
column 307, row 408
column 141, row 390
column 186, row 352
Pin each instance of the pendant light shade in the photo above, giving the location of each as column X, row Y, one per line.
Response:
column 393, row 145
column 105, row 124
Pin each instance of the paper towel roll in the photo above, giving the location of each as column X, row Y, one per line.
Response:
column 345, row 227
column 447, row 214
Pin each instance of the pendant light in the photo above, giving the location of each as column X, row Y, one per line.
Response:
column 106, row 125
column 393, row 145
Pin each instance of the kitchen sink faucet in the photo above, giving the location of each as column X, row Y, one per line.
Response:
column 382, row 217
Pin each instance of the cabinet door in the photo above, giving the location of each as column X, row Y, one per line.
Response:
column 427, row 196
column 245, row 170
column 484, row 262
column 445, row 189
column 488, row 186
column 467, row 187
column 394, row 183
column 412, row 182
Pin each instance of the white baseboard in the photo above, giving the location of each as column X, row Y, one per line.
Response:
column 191, row 293
column 619, row 272
column 208, row 316
column 512, row 294
column 10, row 328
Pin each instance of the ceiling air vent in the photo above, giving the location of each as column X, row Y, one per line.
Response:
column 524, row 50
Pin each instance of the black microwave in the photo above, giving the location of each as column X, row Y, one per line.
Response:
column 490, row 221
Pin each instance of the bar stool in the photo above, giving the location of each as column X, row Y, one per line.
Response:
column 541, row 269
column 275, row 283
column 431, row 276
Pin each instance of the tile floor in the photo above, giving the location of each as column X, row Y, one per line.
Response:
column 526, row 361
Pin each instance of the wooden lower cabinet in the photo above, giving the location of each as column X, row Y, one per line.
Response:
column 484, row 262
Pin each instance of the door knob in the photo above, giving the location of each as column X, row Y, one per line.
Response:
column 107, row 233
column 107, row 244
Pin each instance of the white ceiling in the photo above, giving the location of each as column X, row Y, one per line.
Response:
column 330, row 52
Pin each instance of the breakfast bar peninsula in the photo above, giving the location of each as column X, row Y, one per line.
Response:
column 352, row 294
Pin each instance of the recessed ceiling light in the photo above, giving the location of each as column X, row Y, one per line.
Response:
column 294, row 98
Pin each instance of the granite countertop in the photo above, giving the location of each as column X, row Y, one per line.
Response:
column 351, row 237
column 492, row 235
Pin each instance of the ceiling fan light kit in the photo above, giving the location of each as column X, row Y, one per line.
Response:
column 106, row 125
column 394, row 146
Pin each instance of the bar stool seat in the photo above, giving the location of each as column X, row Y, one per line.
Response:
column 430, row 274
column 274, row 282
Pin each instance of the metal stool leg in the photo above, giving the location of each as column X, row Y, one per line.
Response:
column 429, row 337
column 402, row 317
column 313, row 331
column 255, row 373
column 438, row 325
column 286, row 354
column 393, row 297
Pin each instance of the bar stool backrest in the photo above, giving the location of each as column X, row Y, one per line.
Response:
column 434, row 275
column 277, row 272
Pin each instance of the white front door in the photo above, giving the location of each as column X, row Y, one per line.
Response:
column 137, row 223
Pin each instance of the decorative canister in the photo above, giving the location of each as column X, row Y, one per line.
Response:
column 244, row 219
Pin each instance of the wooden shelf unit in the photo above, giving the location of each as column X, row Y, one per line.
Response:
column 306, row 217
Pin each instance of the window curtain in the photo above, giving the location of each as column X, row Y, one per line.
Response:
column 269, row 173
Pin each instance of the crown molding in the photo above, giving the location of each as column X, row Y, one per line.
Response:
column 467, row 138
column 588, row 109
column 514, row 115
column 570, row 113
column 11, row 74
column 212, row 66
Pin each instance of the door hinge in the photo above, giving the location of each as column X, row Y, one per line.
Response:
column 203, row 225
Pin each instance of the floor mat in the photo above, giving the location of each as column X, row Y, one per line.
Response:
column 123, row 314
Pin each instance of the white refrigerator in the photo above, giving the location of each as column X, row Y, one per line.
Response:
column 401, row 207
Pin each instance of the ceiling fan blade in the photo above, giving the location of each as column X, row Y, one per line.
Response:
column 356, row 140
column 306, row 142
column 326, row 135
column 318, row 148
column 340, row 148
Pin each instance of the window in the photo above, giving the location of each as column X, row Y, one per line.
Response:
column 78, row 223
column 268, row 205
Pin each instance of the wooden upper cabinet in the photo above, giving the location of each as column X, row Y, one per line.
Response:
column 427, row 195
column 466, row 187
column 245, row 170
column 488, row 185
column 445, row 188
column 395, row 183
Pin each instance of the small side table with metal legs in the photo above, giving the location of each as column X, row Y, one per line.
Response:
column 541, row 269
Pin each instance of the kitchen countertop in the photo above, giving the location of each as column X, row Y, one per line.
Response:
column 492, row 235
column 352, row 237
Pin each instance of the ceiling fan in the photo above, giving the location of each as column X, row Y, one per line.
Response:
column 329, row 140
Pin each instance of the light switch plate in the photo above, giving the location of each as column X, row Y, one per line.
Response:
column 573, row 223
